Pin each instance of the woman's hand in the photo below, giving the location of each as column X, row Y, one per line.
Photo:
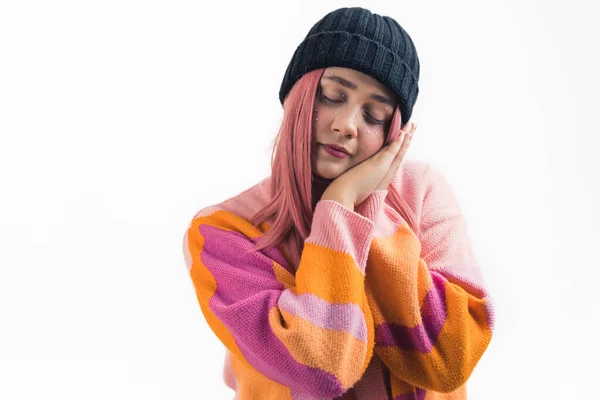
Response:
column 375, row 173
column 387, row 179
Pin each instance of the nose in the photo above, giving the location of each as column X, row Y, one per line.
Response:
column 345, row 123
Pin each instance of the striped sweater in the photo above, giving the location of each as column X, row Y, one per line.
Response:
column 370, row 311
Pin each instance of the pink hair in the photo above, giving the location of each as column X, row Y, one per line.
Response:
column 291, row 172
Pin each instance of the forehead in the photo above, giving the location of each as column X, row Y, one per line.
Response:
column 362, row 80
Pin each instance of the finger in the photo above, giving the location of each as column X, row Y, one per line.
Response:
column 395, row 145
column 414, row 128
column 385, row 159
column 389, row 153
column 401, row 143
column 405, row 145
column 392, row 163
column 410, row 127
column 401, row 152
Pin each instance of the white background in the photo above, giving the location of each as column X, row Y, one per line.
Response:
column 120, row 119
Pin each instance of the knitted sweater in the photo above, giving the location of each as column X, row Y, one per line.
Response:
column 370, row 312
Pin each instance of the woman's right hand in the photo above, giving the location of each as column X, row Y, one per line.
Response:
column 356, row 184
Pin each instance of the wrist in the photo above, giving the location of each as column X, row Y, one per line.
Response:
column 340, row 197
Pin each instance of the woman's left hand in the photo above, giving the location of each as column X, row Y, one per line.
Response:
column 353, row 186
column 387, row 179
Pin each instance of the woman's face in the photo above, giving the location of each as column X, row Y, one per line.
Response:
column 352, row 110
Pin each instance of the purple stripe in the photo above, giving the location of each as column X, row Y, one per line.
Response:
column 237, row 283
column 419, row 394
column 342, row 317
column 273, row 253
column 423, row 336
column 246, row 291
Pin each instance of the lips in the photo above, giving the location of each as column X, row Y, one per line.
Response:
column 334, row 152
column 338, row 148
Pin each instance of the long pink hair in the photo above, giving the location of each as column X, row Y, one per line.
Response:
column 291, row 173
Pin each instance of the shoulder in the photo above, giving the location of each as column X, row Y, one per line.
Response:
column 225, row 229
column 234, row 213
column 422, row 185
column 415, row 178
column 244, row 204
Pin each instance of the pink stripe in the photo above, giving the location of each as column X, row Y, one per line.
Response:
column 339, row 229
column 342, row 317
column 466, row 275
column 228, row 375
column 186, row 252
column 372, row 207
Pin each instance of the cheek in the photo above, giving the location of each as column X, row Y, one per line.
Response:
column 320, row 123
column 370, row 142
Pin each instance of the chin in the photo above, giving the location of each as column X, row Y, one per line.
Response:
column 329, row 173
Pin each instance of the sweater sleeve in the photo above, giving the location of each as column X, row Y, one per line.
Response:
column 313, row 334
column 432, row 315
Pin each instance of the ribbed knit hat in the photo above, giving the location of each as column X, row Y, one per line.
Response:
column 359, row 39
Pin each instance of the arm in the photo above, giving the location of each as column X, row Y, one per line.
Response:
column 315, row 337
column 433, row 318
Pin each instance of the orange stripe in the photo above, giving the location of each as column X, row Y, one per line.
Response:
column 283, row 275
column 395, row 271
column 253, row 385
column 458, row 394
column 322, row 266
column 333, row 351
column 446, row 367
column 400, row 387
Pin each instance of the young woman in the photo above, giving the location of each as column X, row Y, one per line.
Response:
column 348, row 273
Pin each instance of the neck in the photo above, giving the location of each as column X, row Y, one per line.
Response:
column 319, row 184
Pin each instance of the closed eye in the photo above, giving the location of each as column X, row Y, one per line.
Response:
column 368, row 117
column 330, row 100
column 373, row 120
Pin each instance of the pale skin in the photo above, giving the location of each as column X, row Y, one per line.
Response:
column 354, row 111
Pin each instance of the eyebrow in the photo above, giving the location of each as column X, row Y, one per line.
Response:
column 350, row 85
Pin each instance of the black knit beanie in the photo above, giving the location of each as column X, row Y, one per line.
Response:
column 370, row 43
